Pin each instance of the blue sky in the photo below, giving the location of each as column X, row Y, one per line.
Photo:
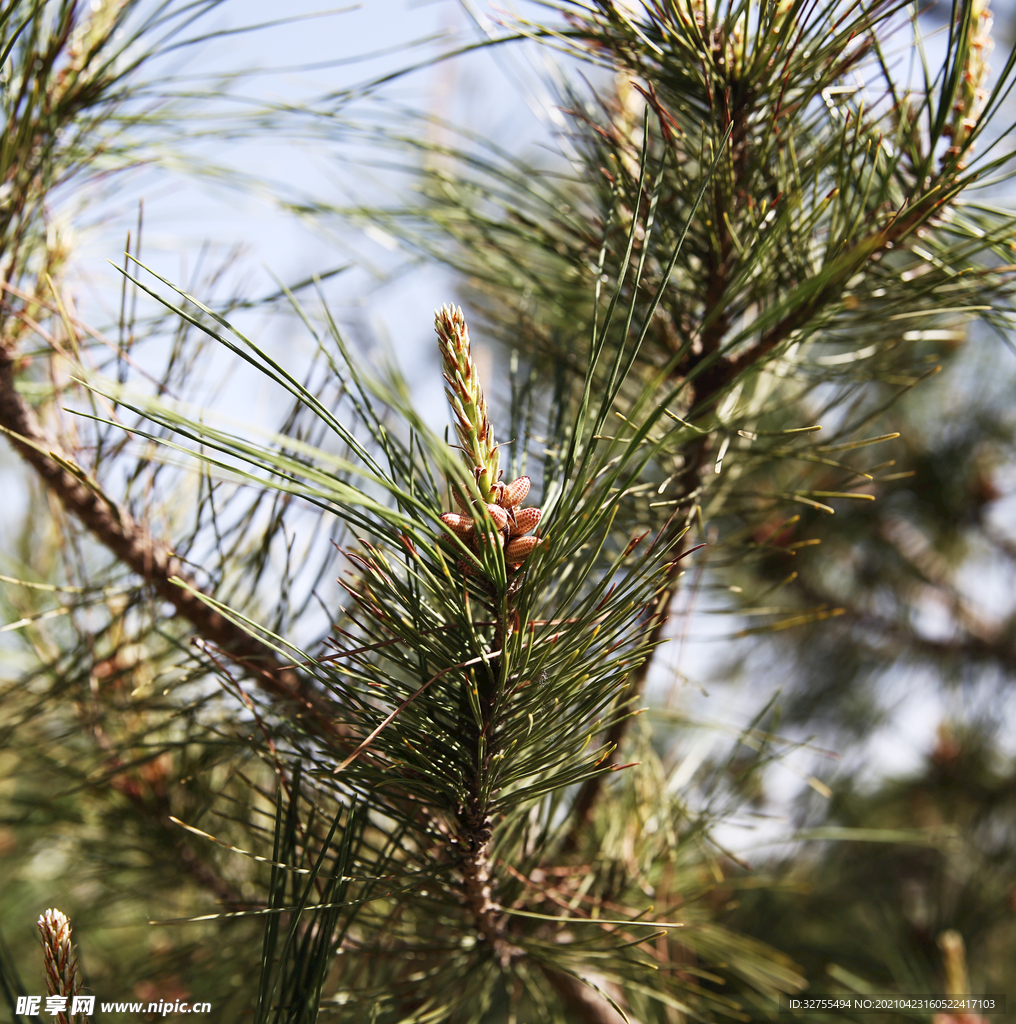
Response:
column 319, row 52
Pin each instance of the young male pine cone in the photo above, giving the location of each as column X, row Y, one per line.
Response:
column 511, row 523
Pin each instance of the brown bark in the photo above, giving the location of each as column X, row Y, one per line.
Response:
column 476, row 879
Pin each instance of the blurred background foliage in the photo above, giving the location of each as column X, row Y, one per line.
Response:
column 848, row 265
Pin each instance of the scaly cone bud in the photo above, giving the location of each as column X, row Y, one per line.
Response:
column 466, row 398
column 526, row 519
column 515, row 493
column 461, row 525
column 519, row 549
column 60, row 960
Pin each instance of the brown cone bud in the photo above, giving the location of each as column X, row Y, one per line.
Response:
column 499, row 515
column 518, row 549
column 489, row 538
column 515, row 493
column 461, row 525
column 526, row 519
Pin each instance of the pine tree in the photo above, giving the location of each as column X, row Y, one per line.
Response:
column 406, row 793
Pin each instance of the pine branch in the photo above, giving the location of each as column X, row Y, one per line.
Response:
column 151, row 559
column 592, row 788
column 715, row 377
column 709, row 373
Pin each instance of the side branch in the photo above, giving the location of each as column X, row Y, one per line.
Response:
column 714, row 379
column 711, row 383
column 151, row 559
